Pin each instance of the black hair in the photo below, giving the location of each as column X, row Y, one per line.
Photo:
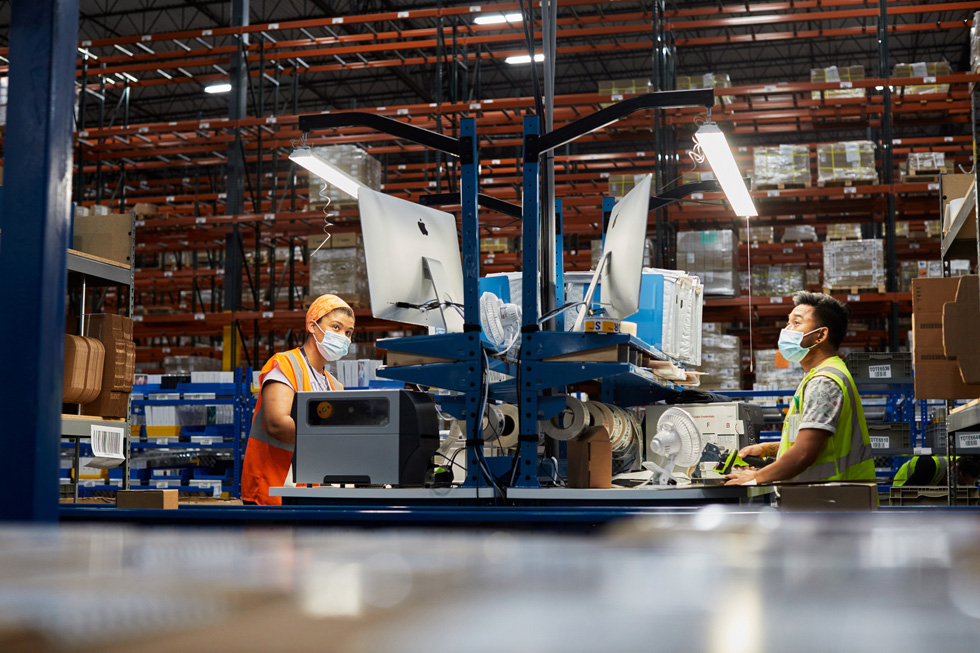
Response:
column 828, row 312
column 340, row 309
column 969, row 465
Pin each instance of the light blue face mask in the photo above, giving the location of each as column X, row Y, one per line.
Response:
column 333, row 346
column 790, row 347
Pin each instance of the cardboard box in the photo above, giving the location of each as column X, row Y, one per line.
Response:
column 930, row 295
column 959, row 319
column 84, row 360
column 115, row 332
column 828, row 497
column 109, row 237
column 143, row 209
column 941, row 379
column 590, row 460
column 147, row 499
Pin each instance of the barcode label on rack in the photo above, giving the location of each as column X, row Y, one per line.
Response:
column 775, row 300
column 968, row 440
column 854, row 298
column 879, row 441
column 880, row 371
column 107, row 441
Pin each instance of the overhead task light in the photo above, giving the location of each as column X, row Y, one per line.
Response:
column 223, row 87
column 496, row 19
column 329, row 173
column 715, row 148
column 523, row 58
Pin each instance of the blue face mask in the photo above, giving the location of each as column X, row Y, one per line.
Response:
column 790, row 347
column 333, row 346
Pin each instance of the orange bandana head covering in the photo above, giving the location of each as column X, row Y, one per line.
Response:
column 324, row 305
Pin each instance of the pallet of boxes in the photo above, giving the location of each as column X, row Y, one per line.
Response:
column 848, row 163
column 781, row 167
column 843, row 76
column 350, row 159
column 853, row 266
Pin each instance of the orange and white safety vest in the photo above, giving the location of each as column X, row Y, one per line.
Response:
column 267, row 459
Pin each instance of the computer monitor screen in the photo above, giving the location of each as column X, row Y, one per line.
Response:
column 621, row 265
column 413, row 261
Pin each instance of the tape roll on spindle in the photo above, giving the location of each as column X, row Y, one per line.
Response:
column 493, row 423
column 622, row 429
column 510, row 431
column 569, row 424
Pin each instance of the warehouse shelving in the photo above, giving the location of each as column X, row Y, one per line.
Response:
column 189, row 441
column 193, row 213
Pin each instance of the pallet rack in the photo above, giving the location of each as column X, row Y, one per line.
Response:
column 177, row 164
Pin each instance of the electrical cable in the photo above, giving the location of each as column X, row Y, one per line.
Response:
column 558, row 311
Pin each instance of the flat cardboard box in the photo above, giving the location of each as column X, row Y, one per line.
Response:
column 959, row 320
column 106, row 236
column 941, row 379
column 108, row 404
column 828, row 497
column 84, row 359
column 930, row 294
column 116, row 333
column 590, row 460
column 147, row 499
column 927, row 337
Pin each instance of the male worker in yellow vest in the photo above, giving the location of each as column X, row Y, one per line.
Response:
column 825, row 437
column 932, row 470
column 269, row 453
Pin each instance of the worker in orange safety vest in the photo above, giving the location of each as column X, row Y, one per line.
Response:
column 271, row 441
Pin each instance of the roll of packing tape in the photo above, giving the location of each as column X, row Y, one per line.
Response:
column 509, row 432
column 622, row 429
column 569, row 424
column 493, row 423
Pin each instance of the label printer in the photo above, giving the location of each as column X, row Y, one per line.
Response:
column 364, row 437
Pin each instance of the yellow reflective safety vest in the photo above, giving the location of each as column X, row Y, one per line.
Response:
column 905, row 471
column 847, row 455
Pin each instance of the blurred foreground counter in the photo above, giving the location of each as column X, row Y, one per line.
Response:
column 715, row 579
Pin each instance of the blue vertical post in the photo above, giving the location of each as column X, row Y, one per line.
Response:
column 468, row 190
column 559, row 265
column 36, row 209
column 525, row 474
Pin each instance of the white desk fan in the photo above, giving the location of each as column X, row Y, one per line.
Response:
column 501, row 321
column 678, row 440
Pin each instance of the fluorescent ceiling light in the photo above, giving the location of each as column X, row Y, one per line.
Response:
column 715, row 147
column 218, row 88
column 305, row 157
column 523, row 58
column 496, row 19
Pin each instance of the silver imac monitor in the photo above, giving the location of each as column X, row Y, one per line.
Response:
column 415, row 272
column 620, row 267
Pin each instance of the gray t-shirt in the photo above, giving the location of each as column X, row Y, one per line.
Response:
column 823, row 400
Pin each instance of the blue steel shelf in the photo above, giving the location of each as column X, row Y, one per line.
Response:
column 229, row 436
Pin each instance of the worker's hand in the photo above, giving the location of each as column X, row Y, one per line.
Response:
column 742, row 476
column 758, row 450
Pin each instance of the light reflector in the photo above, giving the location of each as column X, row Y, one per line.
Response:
column 329, row 173
column 715, row 147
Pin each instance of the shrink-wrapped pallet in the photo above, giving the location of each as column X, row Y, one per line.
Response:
column 849, row 161
column 853, row 264
column 843, row 75
column 781, row 165
column 713, row 257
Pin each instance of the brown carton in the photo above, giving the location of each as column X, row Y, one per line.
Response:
column 828, row 497
column 84, row 360
column 959, row 319
column 941, row 379
column 106, row 236
column 930, row 294
column 147, row 499
column 590, row 460
column 115, row 332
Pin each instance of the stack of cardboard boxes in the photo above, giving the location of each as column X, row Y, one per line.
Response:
column 99, row 367
column 781, row 165
column 845, row 76
column 339, row 268
column 712, row 256
column 945, row 351
column 846, row 162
